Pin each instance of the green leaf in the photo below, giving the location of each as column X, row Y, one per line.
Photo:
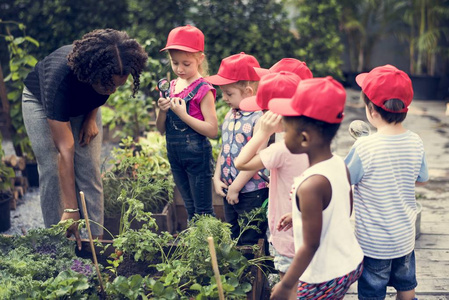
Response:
column 196, row 287
column 31, row 40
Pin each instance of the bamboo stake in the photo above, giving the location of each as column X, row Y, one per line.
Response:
column 92, row 247
column 213, row 255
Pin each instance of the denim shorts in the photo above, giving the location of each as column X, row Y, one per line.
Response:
column 380, row 273
column 281, row 262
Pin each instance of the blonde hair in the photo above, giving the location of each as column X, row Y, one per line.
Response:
column 203, row 68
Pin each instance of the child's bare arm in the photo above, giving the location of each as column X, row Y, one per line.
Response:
column 164, row 106
column 237, row 185
column 218, row 184
column 248, row 158
column 310, row 195
column 285, row 222
column 420, row 183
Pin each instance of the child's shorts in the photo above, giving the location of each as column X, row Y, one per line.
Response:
column 281, row 262
column 333, row 289
column 380, row 273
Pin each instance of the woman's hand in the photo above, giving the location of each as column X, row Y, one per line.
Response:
column 178, row 106
column 285, row 222
column 73, row 229
column 89, row 130
column 163, row 104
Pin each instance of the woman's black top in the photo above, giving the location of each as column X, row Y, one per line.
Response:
column 62, row 95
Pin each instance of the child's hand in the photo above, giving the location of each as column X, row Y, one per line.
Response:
column 233, row 196
column 178, row 106
column 219, row 187
column 163, row 104
column 285, row 223
column 270, row 123
column 279, row 292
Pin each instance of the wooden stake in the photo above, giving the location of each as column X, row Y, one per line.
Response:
column 92, row 247
column 213, row 255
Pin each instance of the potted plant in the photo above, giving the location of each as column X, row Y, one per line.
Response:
column 6, row 174
column 364, row 23
column 140, row 170
column 20, row 64
column 426, row 28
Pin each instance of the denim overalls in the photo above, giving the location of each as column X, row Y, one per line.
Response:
column 190, row 157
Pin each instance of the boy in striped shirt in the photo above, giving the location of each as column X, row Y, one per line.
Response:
column 384, row 168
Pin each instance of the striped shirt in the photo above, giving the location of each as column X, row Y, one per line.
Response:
column 384, row 169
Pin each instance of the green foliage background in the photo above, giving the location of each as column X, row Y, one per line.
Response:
column 257, row 27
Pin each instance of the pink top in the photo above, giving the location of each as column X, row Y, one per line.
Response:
column 194, row 108
column 284, row 167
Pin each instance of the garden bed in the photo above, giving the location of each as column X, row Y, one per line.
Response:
column 260, row 285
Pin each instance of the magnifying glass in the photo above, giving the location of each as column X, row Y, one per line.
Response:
column 359, row 128
column 164, row 86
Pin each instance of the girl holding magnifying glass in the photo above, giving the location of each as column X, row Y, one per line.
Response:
column 188, row 118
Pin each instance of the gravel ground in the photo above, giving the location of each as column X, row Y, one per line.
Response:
column 28, row 213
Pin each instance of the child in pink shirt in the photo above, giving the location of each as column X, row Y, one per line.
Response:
column 283, row 165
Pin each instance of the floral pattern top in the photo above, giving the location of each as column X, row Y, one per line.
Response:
column 237, row 130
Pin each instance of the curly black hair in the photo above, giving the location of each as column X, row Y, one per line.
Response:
column 102, row 53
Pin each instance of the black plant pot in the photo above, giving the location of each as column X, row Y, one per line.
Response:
column 425, row 87
column 32, row 174
column 5, row 211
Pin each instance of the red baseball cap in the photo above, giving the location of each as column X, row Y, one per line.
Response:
column 235, row 68
column 288, row 64
column 186, row 38
column 273, row 85
column 384, row 83
column 321, row 99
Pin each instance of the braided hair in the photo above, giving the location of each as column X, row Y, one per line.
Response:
column 102, row 53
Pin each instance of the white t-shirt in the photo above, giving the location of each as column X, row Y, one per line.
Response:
column 339, row 252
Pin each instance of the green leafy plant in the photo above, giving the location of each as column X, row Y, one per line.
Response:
column 426, row 32
column 128, row 116
column 141, row 170
column 364, row 23
column 319, row 40
column 20, row 64
column 6, row 173
column 43, row 265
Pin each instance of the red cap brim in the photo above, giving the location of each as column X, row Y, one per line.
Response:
column 261, row 71
column 218, row 80
column 282, row 106
column 178, row 47
column 360, row 78
column 250, row 104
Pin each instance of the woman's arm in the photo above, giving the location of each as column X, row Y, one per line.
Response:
column 63, row 138
column 89, row 129
column 208, row 127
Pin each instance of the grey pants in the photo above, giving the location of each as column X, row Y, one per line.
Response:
column 86, row 163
